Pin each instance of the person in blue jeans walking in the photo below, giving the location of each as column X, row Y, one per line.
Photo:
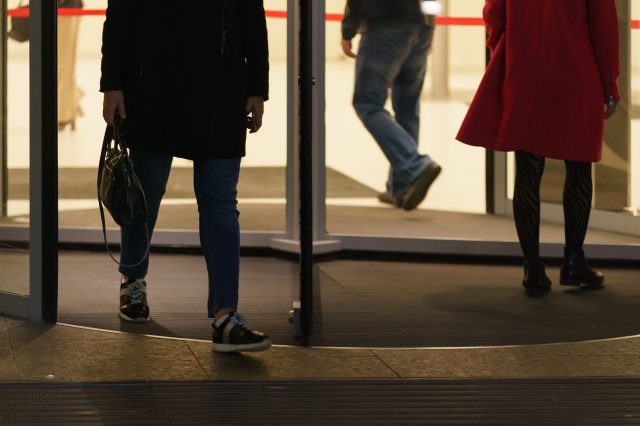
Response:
column 188, row 85
column 392, row 56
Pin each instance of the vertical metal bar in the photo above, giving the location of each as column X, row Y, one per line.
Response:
column 306, row 168
column 43, row 161
column 501, row 202
column 4, row 173
column 490, row 182
column 612, row 175
column 490, row 171
column 440, row 64
column 293, row 124
column 319, row 127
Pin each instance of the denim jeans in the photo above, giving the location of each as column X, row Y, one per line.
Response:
column 396, row 59
column 215, row 183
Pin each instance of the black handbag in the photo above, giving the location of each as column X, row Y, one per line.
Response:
column 19, row 25
column 119, row 189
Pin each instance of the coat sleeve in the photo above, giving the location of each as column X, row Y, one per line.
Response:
column 602, row 18
column 114, row 41
column 495, row 19
column 353, row 16
column 256, row 47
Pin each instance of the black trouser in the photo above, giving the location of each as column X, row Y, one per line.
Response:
column 578, row 191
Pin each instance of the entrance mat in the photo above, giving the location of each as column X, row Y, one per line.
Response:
column 390, row 402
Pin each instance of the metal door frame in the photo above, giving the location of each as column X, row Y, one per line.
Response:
column 42, row 234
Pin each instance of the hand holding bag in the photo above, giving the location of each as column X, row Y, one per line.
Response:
column 119, row 189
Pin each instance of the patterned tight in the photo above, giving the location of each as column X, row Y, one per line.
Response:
column 578, row 191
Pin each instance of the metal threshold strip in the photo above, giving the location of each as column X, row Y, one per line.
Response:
column 373, row 348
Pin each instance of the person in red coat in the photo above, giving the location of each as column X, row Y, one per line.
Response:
column 551, row 83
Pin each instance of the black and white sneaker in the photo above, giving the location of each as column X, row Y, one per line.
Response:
column 133, row 301
column 234, row 335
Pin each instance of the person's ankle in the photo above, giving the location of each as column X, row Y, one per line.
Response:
column 222, row 312
column 126, row 278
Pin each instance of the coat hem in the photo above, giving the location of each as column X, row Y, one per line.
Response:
column 535, row 152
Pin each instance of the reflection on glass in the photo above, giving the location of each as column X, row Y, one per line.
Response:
column 14, row 212
column 262, row 180
column 617, row 177
column 635, row 109
column 357, row 169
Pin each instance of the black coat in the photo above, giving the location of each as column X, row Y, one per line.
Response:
column 186, row 71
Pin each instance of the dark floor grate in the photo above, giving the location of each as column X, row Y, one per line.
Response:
column 394, row 402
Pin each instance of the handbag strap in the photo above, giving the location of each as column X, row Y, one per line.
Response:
column 108, row 137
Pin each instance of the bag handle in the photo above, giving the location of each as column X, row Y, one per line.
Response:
column 109, row 134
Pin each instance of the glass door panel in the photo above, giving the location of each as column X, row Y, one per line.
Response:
column 357, row 169
column 616, row 178
column 262, row 183
column 14, row 159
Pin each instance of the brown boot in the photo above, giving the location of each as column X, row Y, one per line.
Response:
column 535, row 282
column 576, row 271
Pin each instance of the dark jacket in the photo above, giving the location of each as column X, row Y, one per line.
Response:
column 186, row 72
column 366, row 15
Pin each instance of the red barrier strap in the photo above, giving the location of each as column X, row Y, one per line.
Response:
column 465, row 22
column 276, row 13
column 23, row 12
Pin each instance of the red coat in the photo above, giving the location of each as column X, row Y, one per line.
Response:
column 554, row 65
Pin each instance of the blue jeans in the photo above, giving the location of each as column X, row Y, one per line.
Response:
column 215, row 184
column 396, row 59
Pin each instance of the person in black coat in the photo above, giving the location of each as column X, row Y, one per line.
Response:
column 188, row 82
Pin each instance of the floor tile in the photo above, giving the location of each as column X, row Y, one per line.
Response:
column 293, row 363
column 132, row 358
column 24, row 332
column 514, row 362
column 473, row 363
column 8, row 369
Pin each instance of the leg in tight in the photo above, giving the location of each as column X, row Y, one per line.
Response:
column 526, row 203
column 578, row 193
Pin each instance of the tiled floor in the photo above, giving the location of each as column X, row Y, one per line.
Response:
column 97, row 376
column 32, row 351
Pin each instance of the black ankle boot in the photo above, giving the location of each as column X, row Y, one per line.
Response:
column 535, row 282
column 576, row 271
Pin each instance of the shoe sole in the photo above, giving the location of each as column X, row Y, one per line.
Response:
column 390, row 202
column 253, row 347
column 421, row 187
column 138, row 320
column 577, row 282
column 536, row 292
